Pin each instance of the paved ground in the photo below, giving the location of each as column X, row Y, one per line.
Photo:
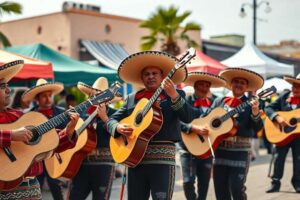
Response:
column 257, row 183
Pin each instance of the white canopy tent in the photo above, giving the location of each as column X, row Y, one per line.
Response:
column 250, row 57
column 279, row 83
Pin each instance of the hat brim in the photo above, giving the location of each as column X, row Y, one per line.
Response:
column 89, row 90
column 214, row 80
column 55, row 88
column 291, row 79
column 131, row 67
column 255, row 81
column 9, row 70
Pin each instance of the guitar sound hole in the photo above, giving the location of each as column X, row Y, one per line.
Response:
column 216, row 123
column 293, row 121
column 138, row 118
column 35, row 136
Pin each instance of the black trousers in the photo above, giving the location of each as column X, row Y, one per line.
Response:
column 54, row 184
column 193, row 168
column 155, row 178
column 230, row 173
column 281, row 153
column 95, row 178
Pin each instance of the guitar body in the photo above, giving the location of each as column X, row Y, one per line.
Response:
column 66, row 164
column 132, row 153
column 200, row 148
column 290, row 132
column 26, row 154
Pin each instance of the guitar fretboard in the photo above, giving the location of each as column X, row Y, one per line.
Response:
column 238, row 109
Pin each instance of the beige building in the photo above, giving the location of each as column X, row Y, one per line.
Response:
column 62, row 31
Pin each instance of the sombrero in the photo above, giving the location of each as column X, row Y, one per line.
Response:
column 255, row 81
column 9, row 70
column 214, row 80
column 99, row 85
column 131, row 67
column 41, row 86
column 292, row 80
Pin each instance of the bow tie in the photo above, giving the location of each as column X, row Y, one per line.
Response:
column 202, row 102
column 147, row 94
column 48, row 112
column 294, row 100
column 232, row 101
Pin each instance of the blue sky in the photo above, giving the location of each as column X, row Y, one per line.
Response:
column 215, row 16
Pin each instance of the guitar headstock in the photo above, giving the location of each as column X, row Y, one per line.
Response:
column 267, row 92
column 106, row 95
column 186, row 57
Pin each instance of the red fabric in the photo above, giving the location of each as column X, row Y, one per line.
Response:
column 232, row 101
column 48, row 112
column 202, row 102
column 147, row 94
column 91, row 109
column 294, row 100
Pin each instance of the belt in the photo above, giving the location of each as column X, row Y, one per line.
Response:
column 238, row 139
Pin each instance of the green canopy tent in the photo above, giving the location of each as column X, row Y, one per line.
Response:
column 66, row 70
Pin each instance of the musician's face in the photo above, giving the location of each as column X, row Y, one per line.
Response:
column 45, row 99
column 4, row 94
column 239, row 86
column 152, row 77
column 201, row 88
column 296, row 89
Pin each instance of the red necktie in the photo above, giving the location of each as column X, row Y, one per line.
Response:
column 48, row 112
column 294, row 100
column 147, row 94
column 202, row 102
column 232, row 101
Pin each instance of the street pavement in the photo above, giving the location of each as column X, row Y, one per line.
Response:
column 257, row 183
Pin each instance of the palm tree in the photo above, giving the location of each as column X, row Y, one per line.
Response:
column 8, row 7
column 164, row 26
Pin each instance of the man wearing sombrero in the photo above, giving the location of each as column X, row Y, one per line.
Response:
column 287, row 101
column 232, row 157
column 29, row 188
column 43, row 93
column 156, row 172
column 193, row 167
column 96, row 174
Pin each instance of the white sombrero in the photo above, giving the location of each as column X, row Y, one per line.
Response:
column 131, row 67
column 214, row 80
column 9, row 70
column 255, row 81
column 292, row 80
column 99, row 85
column 41, row 86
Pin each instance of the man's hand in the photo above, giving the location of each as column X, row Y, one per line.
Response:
column 125, row 129
column 101, row 110
column 200, row 131
column 72, row 123
column 281, row 122
column 255, row 107
column 170, row 89
column 21, row 134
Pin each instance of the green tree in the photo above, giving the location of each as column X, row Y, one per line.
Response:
column 8, row 7
column 165, row 27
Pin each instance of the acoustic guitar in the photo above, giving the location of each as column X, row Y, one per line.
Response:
column 16, row 159
column 146, row 121
column 282, row 136
column 220, row 124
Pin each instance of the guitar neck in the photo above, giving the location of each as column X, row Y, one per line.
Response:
column 238, row 109
column 157, row 92
column 86, row 123
column 61, row 118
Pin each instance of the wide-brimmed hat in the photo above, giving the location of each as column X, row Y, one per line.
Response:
column 99, row 85
column 292, row 80
column 42, row 86
column 131, row 67
column 214, row 80
column 255, row 81
column 9, row 70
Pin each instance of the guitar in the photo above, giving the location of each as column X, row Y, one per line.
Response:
column 282, row 136
column 220, row 125
column 146, row 121
column 16, row 159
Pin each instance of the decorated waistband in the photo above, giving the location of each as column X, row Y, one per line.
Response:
column 160, row 153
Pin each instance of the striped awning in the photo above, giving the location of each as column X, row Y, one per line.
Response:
column 107, row 53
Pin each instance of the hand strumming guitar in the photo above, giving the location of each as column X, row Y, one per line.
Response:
column 124, row 129
column 280, row 121
column 200, row 131
column 21, row 134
